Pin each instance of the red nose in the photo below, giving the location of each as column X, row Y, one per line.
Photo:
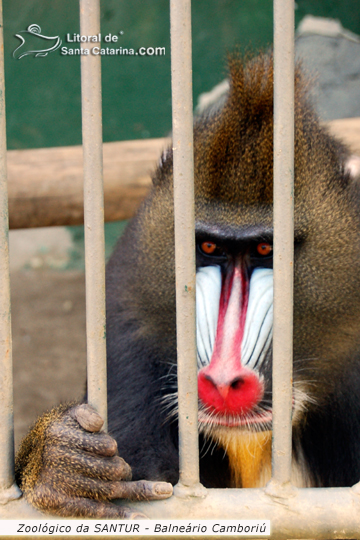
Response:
column 235, row 396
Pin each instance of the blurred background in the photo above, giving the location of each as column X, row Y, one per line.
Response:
column 44, row 110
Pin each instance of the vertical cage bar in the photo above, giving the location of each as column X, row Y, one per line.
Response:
column 8, row 488
column 182, row 122
column 6, row 379
column 283, row 237
column 93, row 210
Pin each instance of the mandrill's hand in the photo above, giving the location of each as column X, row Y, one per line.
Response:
column 66, row 467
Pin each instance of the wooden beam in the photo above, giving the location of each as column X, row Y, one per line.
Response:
column 347, row 130
column 45, row 185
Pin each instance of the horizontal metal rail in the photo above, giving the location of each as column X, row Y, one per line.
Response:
column 310, row 513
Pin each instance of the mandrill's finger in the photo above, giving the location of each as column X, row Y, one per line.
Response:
column 87, row 417
column 100, row 443
column 62, row 505
column 141, row 490
column 62, row 459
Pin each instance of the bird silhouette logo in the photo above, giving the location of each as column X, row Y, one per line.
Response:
column 35, row 30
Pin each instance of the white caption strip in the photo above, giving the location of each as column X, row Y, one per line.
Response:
column 147, row 527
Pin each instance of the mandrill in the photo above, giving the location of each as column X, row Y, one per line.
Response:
column 67, row 466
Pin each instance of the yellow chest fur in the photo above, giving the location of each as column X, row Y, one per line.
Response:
column 249, row 457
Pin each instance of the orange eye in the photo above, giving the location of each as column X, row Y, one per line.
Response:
column 264, row 249
column 208, row 247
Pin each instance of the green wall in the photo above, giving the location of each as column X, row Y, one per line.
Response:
column 43, row 94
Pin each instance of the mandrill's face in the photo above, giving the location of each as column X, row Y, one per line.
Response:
column 234, row 318
column 234, row 304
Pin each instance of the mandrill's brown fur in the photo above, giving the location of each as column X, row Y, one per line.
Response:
column 233, row 149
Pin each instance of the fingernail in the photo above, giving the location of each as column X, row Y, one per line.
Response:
column 89, row 420
column 163, row 489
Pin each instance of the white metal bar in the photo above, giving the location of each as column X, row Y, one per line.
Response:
column 8, row 490
column 6, row 397
column 182, row 106
column 283, row 237
column 93, row 210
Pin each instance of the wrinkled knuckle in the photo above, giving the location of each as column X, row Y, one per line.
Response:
column 52, row 452
column 121, row 461
column 58, row 457
column 122, row 469
column 55, row 431
column 110, row 447
column 140, row 491
column 144, row 489
column 103, row 445
column 45, row 498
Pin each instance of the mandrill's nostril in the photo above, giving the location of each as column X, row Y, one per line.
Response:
column 237, row 383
